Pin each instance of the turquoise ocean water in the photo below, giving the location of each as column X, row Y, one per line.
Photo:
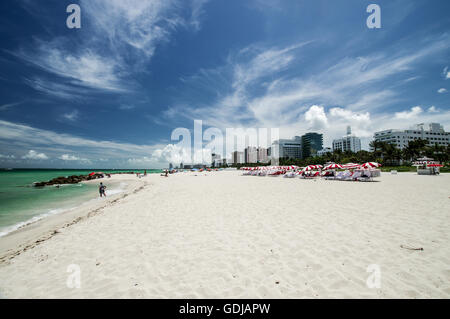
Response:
column 21, row 203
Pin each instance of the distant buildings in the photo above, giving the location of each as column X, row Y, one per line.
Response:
column 237, row 157
column 311, row 144
column 347, row 143
column 262, row 155
column 433, row 133
column 299, row 147
column 287, row 148
column 251, row 154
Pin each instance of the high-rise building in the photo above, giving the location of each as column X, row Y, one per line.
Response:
column 262, row 155
column 433, row 133
column 251, row 154
column 311, row 144
column 287, row 148
column 237, row 157
column 347, row 143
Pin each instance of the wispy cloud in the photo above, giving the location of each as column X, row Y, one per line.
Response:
column 85, row 68
column 442, row 90
column 71, row 116
column 10, row 105
column 280, row 98
column 2, row 156
column 121, row 37
column 18, row 137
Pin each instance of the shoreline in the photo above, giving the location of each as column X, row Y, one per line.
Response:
column 33, row 232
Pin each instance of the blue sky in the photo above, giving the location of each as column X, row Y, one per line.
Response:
column 109, row 94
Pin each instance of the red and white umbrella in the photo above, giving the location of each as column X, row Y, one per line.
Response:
column 351, row 165
column 333, row 166
column 311, row 168
column 370, row 165
column 435, row 165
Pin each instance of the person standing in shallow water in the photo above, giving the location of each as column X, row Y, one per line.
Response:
column 102, row 189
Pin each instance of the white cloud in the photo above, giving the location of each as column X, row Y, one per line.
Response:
column 446, row 73
column 406, row 115
column 141, row 24
column 33, row 155
column 174, row 154
column 197, row 12
column 71, row 116
column 84, row 68
column 126, row 107
column 316, row 117
column 442, row 90
column 433, row 109
column 9, row 105
column 7, row 156
column 72, row 158
column 350, row 115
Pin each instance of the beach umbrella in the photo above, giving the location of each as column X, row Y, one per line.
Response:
column 435, row 165
column 311, row 168
column 93, row 173
column 351, row 165
column 370, row 165
column 333, row 166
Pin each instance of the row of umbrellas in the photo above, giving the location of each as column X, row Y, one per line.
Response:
column 316, row 167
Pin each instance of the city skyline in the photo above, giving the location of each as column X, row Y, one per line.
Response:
column 110, row 93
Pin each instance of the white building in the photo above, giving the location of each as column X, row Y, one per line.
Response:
column 251, row 154
column 287, row 148
column 237, row 157
column 347, row 143
column 262, row 155
column 434, row 133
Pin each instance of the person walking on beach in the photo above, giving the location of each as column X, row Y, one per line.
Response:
column 102, row 189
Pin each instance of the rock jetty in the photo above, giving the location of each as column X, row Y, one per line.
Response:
column 74, row 179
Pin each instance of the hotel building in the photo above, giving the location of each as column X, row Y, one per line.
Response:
column 433, row 133
column 347, row 143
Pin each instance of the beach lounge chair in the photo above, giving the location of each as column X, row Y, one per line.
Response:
column 289, row 175
column 356, row 175
column 366, row 176
column 339, row 176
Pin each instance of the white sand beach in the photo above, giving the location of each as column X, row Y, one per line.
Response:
column 223, row 235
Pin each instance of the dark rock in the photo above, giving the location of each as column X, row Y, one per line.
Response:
column 74, row 179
